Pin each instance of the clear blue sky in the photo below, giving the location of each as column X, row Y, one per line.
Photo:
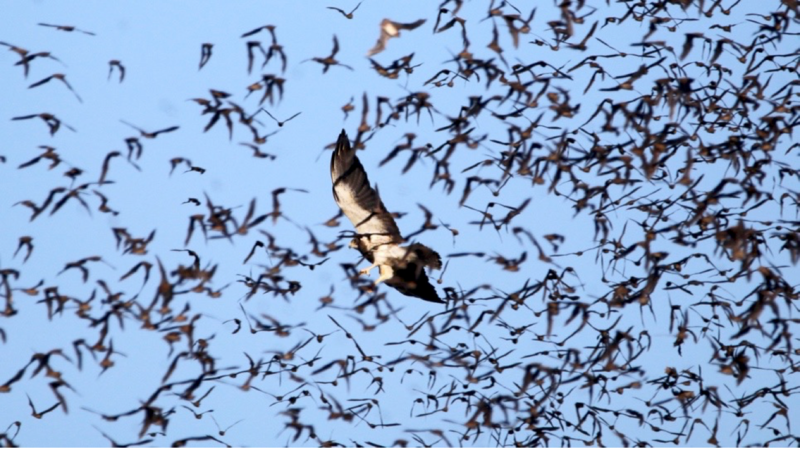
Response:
column 159, row 44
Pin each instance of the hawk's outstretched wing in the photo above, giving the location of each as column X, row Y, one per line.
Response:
column 358, row 200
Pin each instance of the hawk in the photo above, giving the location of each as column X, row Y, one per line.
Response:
column 377, row 236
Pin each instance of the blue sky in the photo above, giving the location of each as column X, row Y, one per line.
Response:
column 159, row 45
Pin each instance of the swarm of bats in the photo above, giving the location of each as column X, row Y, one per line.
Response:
column 684, row 170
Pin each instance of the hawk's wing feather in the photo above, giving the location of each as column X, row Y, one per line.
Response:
column 357, row 199
column 411, row 282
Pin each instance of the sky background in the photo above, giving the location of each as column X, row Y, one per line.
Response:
column 159, row 46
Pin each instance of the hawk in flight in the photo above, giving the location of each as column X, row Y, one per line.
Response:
column 377, row 236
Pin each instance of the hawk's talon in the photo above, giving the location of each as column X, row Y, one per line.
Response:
column 365, row 271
